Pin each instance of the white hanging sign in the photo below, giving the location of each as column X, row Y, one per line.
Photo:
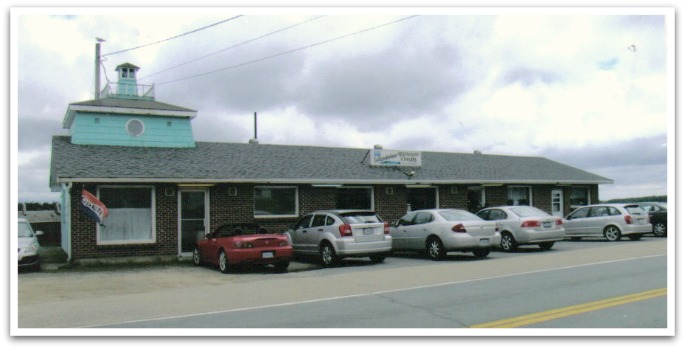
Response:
column 386, row 157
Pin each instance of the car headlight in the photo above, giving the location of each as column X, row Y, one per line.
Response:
column 31, row 248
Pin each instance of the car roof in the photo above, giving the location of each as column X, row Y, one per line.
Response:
column 616, row 205
column 343, row 211
column 501, row 207
column 437, row 210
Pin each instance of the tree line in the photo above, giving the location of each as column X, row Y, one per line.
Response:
column 655, row 198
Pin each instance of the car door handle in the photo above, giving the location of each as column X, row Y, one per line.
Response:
column 321, row 229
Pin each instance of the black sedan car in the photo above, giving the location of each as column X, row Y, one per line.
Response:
column 657, row 216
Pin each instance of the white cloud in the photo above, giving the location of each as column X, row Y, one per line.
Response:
column 501, row 84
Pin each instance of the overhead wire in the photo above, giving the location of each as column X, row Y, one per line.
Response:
column 173, row 37
column 286, row 52
column 228, row 48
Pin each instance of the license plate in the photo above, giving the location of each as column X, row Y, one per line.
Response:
column 484, row 242
column 368, row 231
column 641, row 221
column 547, row 224
column 267, row 254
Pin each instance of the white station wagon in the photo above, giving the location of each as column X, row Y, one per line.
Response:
column 611, row 221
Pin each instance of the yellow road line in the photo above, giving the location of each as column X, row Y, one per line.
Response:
column 571, row 310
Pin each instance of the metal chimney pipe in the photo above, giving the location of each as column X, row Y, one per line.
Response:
column 97, row 70
column 255, row 125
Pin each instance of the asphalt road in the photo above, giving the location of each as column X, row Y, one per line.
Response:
column 406, row 291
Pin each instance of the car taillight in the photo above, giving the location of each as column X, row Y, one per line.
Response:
column 628, row 218
column 345, row 230
column 459, row 228
column 242, row 244
column 560, row 221
column 530, row 224
column 283, row 243
column 386, row 228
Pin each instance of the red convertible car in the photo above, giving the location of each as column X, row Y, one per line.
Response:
column 232, row 245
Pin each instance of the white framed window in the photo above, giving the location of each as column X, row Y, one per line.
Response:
column 131, row 218
column 579, row 196
column 275, row 201
column 354, row 198
column 519, row 195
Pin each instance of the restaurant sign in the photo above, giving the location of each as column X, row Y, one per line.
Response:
column 386, row 157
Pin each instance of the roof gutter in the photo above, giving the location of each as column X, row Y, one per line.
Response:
column 327, row 182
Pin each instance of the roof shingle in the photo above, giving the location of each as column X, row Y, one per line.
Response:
column 261, row 163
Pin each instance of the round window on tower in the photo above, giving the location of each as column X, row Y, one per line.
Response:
column 135, row 127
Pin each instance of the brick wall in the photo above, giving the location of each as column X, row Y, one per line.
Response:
column 233, row 203
column 84, row 230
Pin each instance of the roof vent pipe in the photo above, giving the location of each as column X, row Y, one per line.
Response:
column 255, row 140
column 477, row 152
column 378, row 146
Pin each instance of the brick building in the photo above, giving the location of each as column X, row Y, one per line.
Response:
column 160, row 186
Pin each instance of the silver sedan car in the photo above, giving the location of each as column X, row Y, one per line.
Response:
column 524, row 225
column 611, row 221
column 439, row 231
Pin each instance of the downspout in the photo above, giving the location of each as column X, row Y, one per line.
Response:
column 65, row 218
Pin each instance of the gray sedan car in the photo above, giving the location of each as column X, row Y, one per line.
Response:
column 524, row 225
column 439, row 231
column 611, row 221
column 336, row 234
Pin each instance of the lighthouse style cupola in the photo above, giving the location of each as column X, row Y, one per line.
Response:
column 127, row 84
column 127, row 114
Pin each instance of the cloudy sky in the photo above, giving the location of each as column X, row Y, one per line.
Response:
column 586, row 87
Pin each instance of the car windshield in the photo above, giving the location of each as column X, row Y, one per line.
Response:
column 360, row 217
column 25, row 230
column 528, row 211
column 456, row 215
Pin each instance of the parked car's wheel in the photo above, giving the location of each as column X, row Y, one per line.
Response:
column 635, row 237
column 327, row 255
column 196, row 256
column 435, row 249
column 612, row 233
column 659, row 229
column 224, row 266
column 546, row 245
column 508, row 242
column 482, row 253
column 282, row 267
column 377, row 258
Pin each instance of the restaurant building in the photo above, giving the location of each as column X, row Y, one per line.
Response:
column 159, row 186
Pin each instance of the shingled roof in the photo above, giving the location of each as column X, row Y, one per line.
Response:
column 133, row 106
column 212, row 162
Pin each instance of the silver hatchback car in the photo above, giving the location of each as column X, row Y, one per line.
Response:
column 524, row 225
column 611, row 221
column 336, row 234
